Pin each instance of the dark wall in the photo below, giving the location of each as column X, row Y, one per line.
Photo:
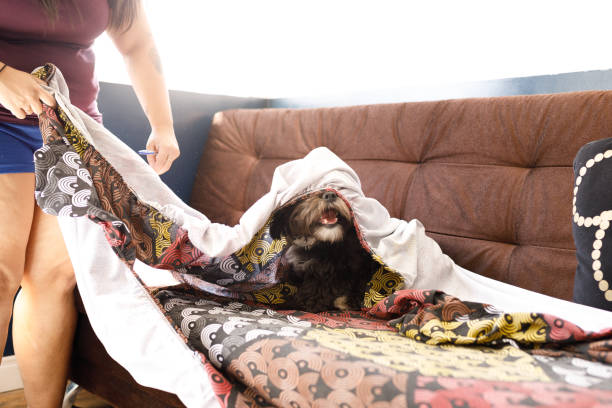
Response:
column 192, row 114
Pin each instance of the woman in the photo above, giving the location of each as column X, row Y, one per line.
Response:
column 32, row 251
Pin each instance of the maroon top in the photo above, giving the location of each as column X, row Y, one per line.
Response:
column 28, row 40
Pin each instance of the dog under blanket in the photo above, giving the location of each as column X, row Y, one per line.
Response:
column 222, row 333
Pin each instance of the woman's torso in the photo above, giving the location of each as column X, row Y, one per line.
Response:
column 29, row 39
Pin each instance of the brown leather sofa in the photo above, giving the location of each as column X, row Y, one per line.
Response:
column 490, row 178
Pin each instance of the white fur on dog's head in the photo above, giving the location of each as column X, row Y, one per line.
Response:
column 324, row 233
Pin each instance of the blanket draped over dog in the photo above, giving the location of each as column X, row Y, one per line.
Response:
column 218, row 332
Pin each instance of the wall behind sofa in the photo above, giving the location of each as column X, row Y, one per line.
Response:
column 542, row 84
column 192, row 114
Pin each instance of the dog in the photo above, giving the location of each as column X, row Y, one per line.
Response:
column 324, row 258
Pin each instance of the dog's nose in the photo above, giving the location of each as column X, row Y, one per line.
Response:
column 329, row 196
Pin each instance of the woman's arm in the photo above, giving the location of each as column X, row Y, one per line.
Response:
column 144, row 67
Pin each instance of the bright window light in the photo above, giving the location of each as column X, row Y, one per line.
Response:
column 281, row 48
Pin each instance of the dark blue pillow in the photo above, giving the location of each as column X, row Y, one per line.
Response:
column 591, row 224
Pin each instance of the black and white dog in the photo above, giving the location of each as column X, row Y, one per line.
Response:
column 326, row 261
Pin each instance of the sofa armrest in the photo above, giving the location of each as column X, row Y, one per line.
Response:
column 93, row 369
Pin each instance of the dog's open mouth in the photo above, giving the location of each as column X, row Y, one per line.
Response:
column 329, row 217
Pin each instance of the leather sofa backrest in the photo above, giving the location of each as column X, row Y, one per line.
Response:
column 490, row 178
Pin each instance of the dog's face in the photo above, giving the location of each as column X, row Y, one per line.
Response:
column 322, row 217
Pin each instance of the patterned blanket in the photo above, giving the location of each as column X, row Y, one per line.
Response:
column 405, row 347
column 414, row 348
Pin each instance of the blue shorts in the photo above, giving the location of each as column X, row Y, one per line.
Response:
column 17, row 146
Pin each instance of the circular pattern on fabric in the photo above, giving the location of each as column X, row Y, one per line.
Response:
column 209, row 334
column 345, row 399
column 229, row 266
column 271, row 348
column 341, row 376
column 188, row 324
column 215, row 354
column 253, row 334
column 66, row 211
column 308, row 384
column 67, row 184
column 235, row 323
column 168, row 306
column 231, row 343
column 284, row 373
column 253, row 361
column 44, row 157
column 590, row 178
column 55, row 202
column 72, row 160
column 371, row 387
column 240, row 276
column 241, row 371
column 81, row 198
column 310, row 361
column 84, row 175
column 260, row 253
column 290, row 398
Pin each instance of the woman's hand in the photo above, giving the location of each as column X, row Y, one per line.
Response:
column 163, row 142
column 21, row 93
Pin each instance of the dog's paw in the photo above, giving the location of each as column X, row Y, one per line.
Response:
column 304, row 242
column 341, row 303
column 297, row 260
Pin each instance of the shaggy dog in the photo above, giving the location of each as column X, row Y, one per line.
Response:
column 325, row 259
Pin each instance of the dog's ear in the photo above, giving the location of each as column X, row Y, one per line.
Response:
column 279, row 225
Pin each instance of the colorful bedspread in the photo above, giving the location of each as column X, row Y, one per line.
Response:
column 414, row 349
column 405, row 347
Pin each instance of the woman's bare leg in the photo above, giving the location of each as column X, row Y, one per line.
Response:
column 16, row 209
column 45, row 314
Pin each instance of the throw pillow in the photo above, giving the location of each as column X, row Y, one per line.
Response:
column 592, row 215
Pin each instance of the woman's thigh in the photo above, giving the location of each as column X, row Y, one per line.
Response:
column 17, row 181
column 47, row 262
column 46, row 258
column 16, row 210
